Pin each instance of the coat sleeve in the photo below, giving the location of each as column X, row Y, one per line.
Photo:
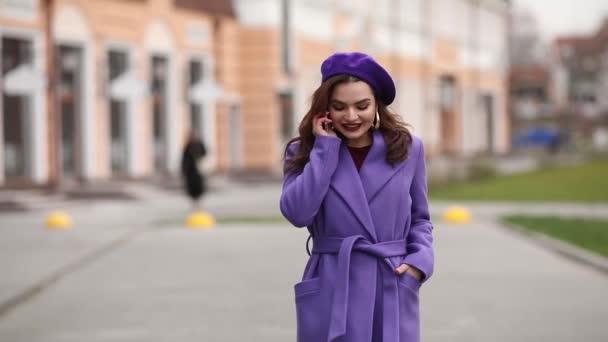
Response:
column 420, row 239
column 304, row 192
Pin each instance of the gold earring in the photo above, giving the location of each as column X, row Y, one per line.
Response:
column 377, row 121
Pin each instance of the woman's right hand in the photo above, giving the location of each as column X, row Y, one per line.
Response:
column 319, row 121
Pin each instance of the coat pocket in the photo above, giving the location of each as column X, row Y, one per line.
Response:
column 309, row 310
column 409, row 311
column 410, row 282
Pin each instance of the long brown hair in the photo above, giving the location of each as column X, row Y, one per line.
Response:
column 394, row 131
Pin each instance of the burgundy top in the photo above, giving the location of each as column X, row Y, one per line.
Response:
column 359, row 154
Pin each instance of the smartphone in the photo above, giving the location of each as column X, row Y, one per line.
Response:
column 325, row 126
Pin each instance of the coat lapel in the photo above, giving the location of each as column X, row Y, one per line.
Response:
column 358, row 189
column 347, row 183
column 376, row 172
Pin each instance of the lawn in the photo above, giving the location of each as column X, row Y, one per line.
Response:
column 582, row 183
column 588, row 234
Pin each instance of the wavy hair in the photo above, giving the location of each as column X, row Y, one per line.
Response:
column 396, row 135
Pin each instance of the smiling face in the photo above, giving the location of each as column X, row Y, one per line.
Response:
column 352, row 108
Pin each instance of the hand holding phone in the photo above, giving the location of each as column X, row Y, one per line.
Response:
column 322, row 125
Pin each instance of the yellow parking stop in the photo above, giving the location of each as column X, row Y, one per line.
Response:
column 200, row 220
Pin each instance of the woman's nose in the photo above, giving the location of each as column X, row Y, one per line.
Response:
column 351, row 114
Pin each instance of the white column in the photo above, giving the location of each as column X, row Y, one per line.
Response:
column 210, row 136
column 2, row 114
column 131, row 138
column 39, row 138
column 175, row 117
column 210, row 117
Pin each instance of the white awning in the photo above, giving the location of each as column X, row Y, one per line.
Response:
column 127, row 86
column 203, row 91
column 23, row 80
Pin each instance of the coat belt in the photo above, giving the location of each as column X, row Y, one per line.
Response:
column 382, row 250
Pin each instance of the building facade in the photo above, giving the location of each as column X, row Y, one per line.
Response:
column 448, row 58
column 128, row 80
column 101, row 89
column 530, row 107
column 579, row 84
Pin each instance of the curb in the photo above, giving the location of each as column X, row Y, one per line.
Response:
column 572, row 252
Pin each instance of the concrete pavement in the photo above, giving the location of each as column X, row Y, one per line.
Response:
column 129, row 272
column 493, row 210
column 234, row 283
column 172, row 284
column 260, row 199
column 493, row 285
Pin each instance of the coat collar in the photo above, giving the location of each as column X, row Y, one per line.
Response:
column 358, row 189
column 376, row 171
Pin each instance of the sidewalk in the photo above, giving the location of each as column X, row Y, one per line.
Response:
column 36, row 261
column 494, row 210
column 226, row 196
column 173, row 284
column 34, row 256
column 248, row 197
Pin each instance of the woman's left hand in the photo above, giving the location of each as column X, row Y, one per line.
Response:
column 409, row 269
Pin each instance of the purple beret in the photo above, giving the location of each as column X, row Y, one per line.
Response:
column 364, row 67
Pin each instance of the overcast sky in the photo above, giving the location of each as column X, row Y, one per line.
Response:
column 560, row 17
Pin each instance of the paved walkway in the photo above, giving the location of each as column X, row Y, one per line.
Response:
column 129, row 271
column 237, row 199
column 234, row 284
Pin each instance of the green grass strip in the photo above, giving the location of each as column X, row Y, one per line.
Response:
column 582, row 183
column 591, row 234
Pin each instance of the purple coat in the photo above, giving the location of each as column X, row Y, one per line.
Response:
column 364, row 225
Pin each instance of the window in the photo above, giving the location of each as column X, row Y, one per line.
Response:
column 447, row 93
column 118, row 63
column 196, row 81
column 287, row 112
column 16, row 109
column 196, row 72
column 158, row 83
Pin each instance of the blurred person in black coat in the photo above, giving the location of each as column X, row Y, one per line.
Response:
column 192, row 167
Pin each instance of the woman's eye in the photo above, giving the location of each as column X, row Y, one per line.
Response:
column 338, row 108
column 362, row 108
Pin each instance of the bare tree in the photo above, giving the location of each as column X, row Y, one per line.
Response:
column 526, row 44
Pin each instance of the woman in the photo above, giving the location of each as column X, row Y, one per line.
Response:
column 192, row 157
column 356, row 178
